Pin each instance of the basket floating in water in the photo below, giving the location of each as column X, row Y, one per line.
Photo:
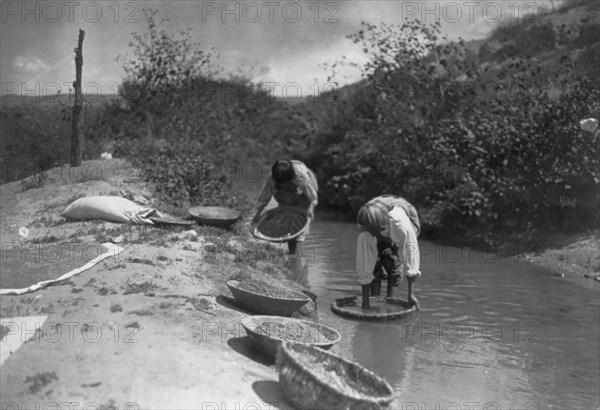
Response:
column 313, row 378
column 266, row 299
column 214, row 216
column 268, row 332
column 281, row 224
column 382, row 308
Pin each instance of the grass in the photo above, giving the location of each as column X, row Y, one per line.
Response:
column 109, row 405
column 142, row 261
column 114, row 308
column 103, row 291
column 141, row 312
column 132, row 325
column 45, row 239
column 39, row 381
column 144, row 287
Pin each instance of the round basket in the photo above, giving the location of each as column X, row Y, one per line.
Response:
column 342, row 307
column 281, row 224
column 268, row 332
column 312, row 378
column 214, row 216
column 171, row 221
column 261, row 301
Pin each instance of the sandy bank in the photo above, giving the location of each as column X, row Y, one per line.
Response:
column 151, row 327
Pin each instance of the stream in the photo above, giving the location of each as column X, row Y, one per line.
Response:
column 492, row 333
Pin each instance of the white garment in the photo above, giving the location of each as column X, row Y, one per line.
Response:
column 366, row 257
column 402, row 232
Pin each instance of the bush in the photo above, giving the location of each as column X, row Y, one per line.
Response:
column 474, row 164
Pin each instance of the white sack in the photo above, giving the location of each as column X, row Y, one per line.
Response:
column 110, row 208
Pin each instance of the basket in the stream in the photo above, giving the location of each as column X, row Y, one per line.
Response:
column 313, row 378
column 281, row 224
column 349, row 307
column 268, row 332
column 265, row 299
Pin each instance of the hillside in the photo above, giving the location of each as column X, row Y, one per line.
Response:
column 573, row 29
column 483, row 136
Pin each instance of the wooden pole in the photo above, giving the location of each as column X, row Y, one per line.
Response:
column 77, row 139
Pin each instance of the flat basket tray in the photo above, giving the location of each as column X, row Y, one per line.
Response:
column 171, row 221
column 343, row 307
column 281, row 224
column 291, row 330
column 215, row 215
column 262, row 303
column 310, row 377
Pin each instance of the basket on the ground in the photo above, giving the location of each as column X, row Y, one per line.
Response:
column 313, row 378
column 281, row 224
column 171, row 221
column 268, row 332
column 349, row 307
column 262, row 298
column 214, row 216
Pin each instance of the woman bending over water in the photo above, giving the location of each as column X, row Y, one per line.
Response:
column 387, row 247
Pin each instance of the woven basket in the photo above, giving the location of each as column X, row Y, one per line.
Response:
column 171, row 221
column 281, row 224
column 315, row 379
column 293, row 330
column 264, row 304
column 340, row 307
column 214, row 216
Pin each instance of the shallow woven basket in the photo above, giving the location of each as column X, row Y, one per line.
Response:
column 171, row 221
column 306, row 374
column 214, row 216
column 323, row 337
column 281, row 224
column 339, row 307
column 264, row 304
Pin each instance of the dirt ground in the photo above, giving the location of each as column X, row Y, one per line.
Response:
column 153, row 327
column 571, row 256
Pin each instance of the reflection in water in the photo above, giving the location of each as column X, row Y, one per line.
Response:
column 495, row 332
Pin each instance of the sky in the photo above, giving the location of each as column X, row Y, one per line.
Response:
column 285, row 43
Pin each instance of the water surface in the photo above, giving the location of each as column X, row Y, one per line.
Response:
column 492, row 333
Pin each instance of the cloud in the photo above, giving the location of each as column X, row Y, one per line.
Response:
column 307, row 73
column 30, row 64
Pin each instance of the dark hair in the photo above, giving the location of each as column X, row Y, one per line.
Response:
column 283, row 171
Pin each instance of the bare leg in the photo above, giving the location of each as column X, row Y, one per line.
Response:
column 412, row 300
column 366, row 293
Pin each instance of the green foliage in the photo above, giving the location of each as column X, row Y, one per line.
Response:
column 480, row 148
column 181, row 126
column 36, row 135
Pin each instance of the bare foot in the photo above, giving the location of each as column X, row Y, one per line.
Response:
column 413, row 301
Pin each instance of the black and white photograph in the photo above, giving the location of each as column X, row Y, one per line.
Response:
column 300, row 205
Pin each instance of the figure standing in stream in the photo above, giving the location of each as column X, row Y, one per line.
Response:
column 387, row 247
column 291, row 183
